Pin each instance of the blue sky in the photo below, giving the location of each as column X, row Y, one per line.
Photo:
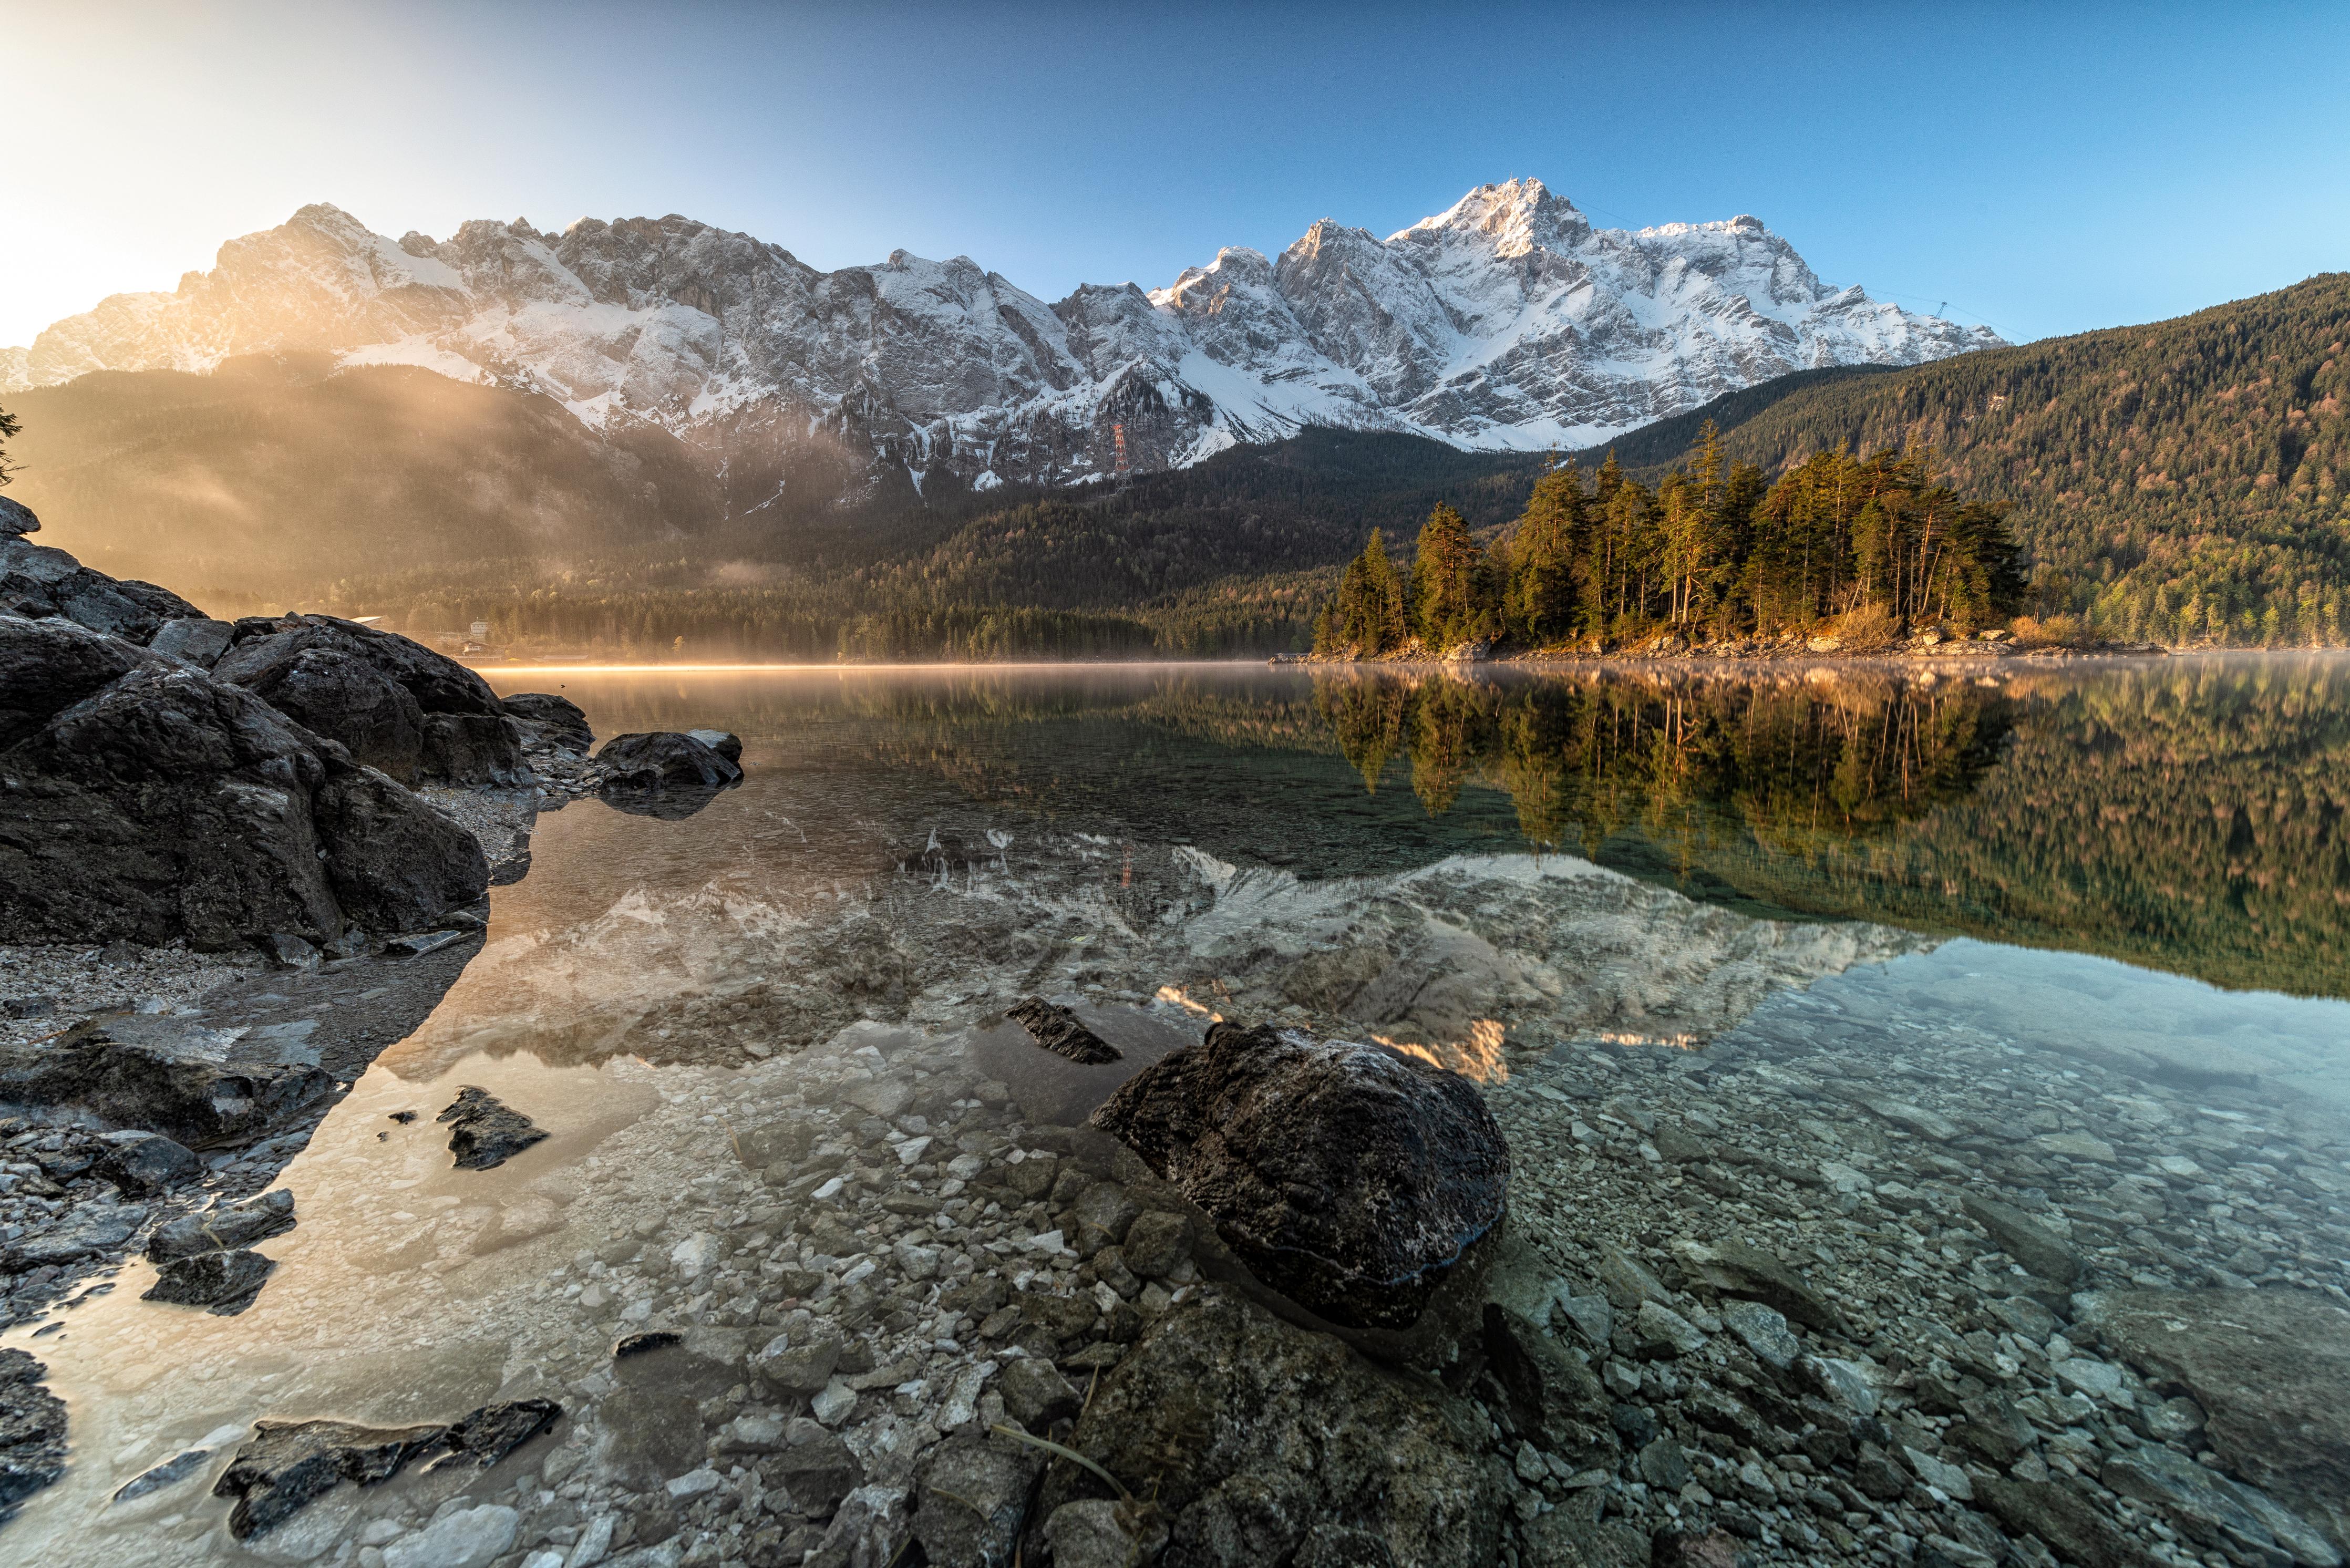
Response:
column 2043, row 169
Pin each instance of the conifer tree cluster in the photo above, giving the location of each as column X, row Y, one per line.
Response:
column 1716, row 550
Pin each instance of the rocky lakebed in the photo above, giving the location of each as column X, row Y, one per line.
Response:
column 1020, row 1196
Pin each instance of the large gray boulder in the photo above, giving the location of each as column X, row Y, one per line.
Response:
column 665, row 760
column 334, row 693
column 462, row 734
column 550, row 722
column 1350, row 1178
column 394, row 864
column 142, row 800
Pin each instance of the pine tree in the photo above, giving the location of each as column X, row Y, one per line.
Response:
column 1447, row 602
column 1543, row 555
column 1365, row 619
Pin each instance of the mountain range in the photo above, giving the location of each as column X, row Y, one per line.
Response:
column 1506, row 323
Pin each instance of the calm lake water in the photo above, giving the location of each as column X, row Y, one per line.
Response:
column 2140, row 863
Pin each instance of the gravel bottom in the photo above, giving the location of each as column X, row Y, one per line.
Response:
column 44, row 988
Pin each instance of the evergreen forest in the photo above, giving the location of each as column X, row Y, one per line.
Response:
column 1716, row 551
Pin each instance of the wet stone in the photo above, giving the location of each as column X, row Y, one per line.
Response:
column 1096, row 1533
column 1156, row 1244
column 1660, row 1330
column 228, row 1228
column 285, row 1465
column 1346, row 1176
column 1059, row 1030
column 149, row 1163
column 2025, row 1239
column 1763, row 1330
column 1035, row 1395
column 1737, row 1268
column 971, row 1499
column 484, row 1133
column 224, row 1282
column 2268, row 1368
column 817, row 1475
column 32, row 1432
column 170, row 1473
column 2060, row 1515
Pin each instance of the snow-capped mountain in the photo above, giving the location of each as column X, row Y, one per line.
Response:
column 1507, row 321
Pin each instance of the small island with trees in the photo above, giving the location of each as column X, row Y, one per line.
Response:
column 1839, row 553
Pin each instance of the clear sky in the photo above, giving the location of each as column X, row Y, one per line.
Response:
column 2044, row 168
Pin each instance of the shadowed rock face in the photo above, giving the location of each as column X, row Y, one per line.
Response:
column 199, row 1087
column 345, row 699
column 336, row 674
column 1348, row 1177
column 146, row 800
column 551, row 722
column 32, row 1429
column 37, row 581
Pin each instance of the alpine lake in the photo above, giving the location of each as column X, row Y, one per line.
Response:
column 1854, row 964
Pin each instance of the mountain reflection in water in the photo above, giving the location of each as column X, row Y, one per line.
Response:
column 2185, row 815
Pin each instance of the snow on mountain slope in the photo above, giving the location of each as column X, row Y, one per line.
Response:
column 1507, row 321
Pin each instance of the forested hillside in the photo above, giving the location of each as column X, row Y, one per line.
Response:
column 2183, row 483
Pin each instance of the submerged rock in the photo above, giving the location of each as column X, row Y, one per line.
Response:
column 971, row 1498
column 1210, row 1410
column 226, row 1282
column 2271, row 1369
column 485, row 1132
column 1058, row 1030
column 1739, row 1269
column 1554, row 1399
column 2025, row 1239
column 1348, row 1177
column 170, row 1473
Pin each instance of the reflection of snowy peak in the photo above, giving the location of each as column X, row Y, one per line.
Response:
column 1508, row 321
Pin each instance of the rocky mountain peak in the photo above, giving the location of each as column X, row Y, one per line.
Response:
column 1505, row 321
column 1513, row 218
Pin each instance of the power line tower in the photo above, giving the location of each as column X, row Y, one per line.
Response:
column 1123, row 472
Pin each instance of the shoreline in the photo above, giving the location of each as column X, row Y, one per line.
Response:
column 1535, row 660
